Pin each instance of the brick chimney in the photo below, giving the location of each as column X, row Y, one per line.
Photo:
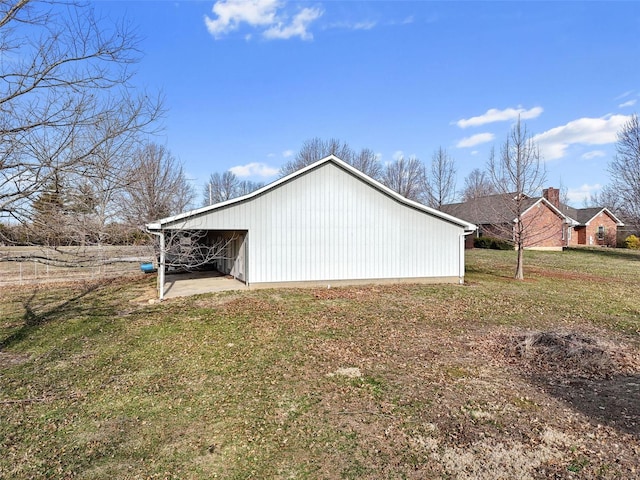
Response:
column 552, row 195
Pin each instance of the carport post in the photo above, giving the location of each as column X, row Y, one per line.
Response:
column 161, row 262
column 161, row 268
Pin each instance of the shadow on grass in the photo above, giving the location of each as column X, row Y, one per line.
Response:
column 35, row 316
column 609, row 401
column 619, row 253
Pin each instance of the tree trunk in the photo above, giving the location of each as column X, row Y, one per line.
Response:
column 519, row 271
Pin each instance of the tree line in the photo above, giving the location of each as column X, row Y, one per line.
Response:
column 432, row 185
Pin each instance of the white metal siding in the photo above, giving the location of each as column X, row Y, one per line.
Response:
column 330, row 225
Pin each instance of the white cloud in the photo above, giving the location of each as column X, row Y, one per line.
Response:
column 288, row 153
column 363, row 25
column 587, row 131
column 474, row 140
column 577, row 196
column 268, row 15
column 297, row 27
column 495, row 115
column 594, row 154
column 254, row 169
column 397, row 155
column 629, row 103
column 625, row 94
column 231, row 13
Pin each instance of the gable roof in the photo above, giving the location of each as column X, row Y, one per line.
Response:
column 331, row 159
column 495, row 209
column 583, row 216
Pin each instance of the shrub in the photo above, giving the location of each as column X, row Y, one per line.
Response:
column 492, row 243
column 632, row 242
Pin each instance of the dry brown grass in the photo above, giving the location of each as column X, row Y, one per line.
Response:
column 484, row 380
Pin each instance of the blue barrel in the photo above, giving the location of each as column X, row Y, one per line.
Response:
column 147, row 267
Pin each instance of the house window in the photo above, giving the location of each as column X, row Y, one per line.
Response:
column 601, row 232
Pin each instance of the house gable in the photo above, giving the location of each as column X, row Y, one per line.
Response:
column 544, row 226
column 592, row 214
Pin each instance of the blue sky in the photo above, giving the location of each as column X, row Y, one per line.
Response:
column 247, row 82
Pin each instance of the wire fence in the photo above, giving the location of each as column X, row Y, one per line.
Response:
column 30, row 265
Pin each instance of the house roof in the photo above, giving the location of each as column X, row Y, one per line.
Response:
column 468, row 226
column 582, row 216
column 493, row 209
column 496, row 209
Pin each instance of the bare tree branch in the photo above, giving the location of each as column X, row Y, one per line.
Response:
column 157, row 186
column 625, row 172
column 315, row 149
column 65, row 98
column 406, row 176
column 476, row 185
column 441, row 183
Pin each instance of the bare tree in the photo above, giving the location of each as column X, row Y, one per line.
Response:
column 477, row 185
column 315, row 149
column 406, row 176
column 518, row 174
column 64, row 71
column 225, row 186
column 608, row 197
column 95, row 193
column 367, row 162
column 625, row 171
column 441, row 181
column 563, row 193
column 157, row 188
column 220, row 187
column 247, row 186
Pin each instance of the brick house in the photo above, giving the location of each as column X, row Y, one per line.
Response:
column 548, row 224
column 588, row 226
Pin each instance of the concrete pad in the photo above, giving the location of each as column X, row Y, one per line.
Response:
column 192, row 283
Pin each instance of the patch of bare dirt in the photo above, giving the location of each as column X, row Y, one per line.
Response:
column 8, row 359
column 596, row 376
column 566, row 275
column 571, row 354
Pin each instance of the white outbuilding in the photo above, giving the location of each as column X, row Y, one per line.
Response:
column 326, row 224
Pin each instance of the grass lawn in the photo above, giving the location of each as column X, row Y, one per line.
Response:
column 410, row 381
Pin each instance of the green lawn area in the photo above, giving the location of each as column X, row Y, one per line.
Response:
column 399, row 381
